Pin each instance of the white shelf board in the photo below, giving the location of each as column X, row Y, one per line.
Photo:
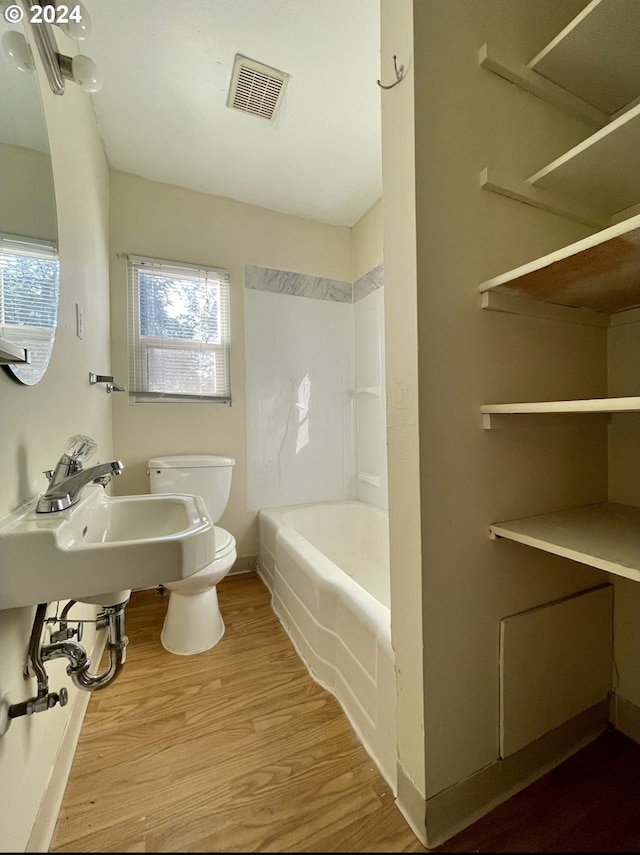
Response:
column 602, row 171
column 606, row 536
column 597, row 55
column 522, row 191
column 529, row 80
column 600, row 272
column 587, row 405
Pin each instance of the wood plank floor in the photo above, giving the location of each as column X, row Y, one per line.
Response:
column 239, row 750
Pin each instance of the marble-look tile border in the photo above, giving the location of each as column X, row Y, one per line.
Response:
column 368, row 283
column 318, row 288
column 297, row 284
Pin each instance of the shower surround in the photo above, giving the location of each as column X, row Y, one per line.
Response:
column 314, row 388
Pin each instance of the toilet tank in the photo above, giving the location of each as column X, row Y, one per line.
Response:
column 205, row 475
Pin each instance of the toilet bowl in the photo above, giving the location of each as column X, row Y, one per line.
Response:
column 193, row 622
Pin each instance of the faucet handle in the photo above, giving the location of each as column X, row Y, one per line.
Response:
column 48, row 473
column 80, row 447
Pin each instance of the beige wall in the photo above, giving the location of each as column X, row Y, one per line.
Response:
column 367, row 241
column 163, row 221
column 26, row 188
column 401, row 368
column 36, row 422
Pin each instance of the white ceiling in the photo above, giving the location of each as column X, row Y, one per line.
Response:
column 162, row 114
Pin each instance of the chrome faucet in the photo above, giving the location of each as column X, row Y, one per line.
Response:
column 68, row 479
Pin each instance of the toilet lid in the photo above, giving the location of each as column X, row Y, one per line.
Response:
column 190, row 461
column 225, row 542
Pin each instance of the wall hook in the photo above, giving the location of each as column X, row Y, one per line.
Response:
column 399, row 75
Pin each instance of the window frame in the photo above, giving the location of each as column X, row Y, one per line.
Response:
column 139, row 344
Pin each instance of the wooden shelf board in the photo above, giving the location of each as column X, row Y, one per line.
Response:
column 606, row 536
column 602, row 171
column 601, row 272
column 597, row 55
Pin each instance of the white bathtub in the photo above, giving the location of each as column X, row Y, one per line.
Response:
column 327, row 567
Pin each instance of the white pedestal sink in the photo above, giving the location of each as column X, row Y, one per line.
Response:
column 102, row 547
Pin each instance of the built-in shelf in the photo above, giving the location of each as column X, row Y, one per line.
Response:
column 597, row 55
column 599, row 273
column 590, row 69
column 537, row 197
column 588, row 405
column 602, row 171
column 12, row 354
column 606, row 536
column 537, row 84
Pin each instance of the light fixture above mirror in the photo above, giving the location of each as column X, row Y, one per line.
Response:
column 59, row 67
column 16, row 48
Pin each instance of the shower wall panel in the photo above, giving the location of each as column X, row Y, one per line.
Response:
column 315, row 396
column 299, row 366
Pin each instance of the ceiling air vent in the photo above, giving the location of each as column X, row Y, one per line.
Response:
column 256, row 88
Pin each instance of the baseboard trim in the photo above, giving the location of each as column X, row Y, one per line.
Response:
column 626, row 717
column 411, row 804
column 459, row 806
column 47, row 817
column 447, row 813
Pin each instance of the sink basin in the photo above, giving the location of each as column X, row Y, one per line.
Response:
column 102, row 547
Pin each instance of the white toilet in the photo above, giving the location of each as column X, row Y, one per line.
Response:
column 193, row 622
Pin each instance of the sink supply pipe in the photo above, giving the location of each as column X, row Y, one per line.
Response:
column 44, row 700
column 111, row 618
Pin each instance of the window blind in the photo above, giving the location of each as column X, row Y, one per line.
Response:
column 29, row 279
column 179, row 332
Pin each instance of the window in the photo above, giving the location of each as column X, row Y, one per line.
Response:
column 178, row 332
column 29, row 278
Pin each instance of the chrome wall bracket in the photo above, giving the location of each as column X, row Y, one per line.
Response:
column 111, row 384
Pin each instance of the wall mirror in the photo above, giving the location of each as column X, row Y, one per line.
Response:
column 29, row 265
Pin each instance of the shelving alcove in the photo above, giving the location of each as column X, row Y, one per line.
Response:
column 591, row 68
